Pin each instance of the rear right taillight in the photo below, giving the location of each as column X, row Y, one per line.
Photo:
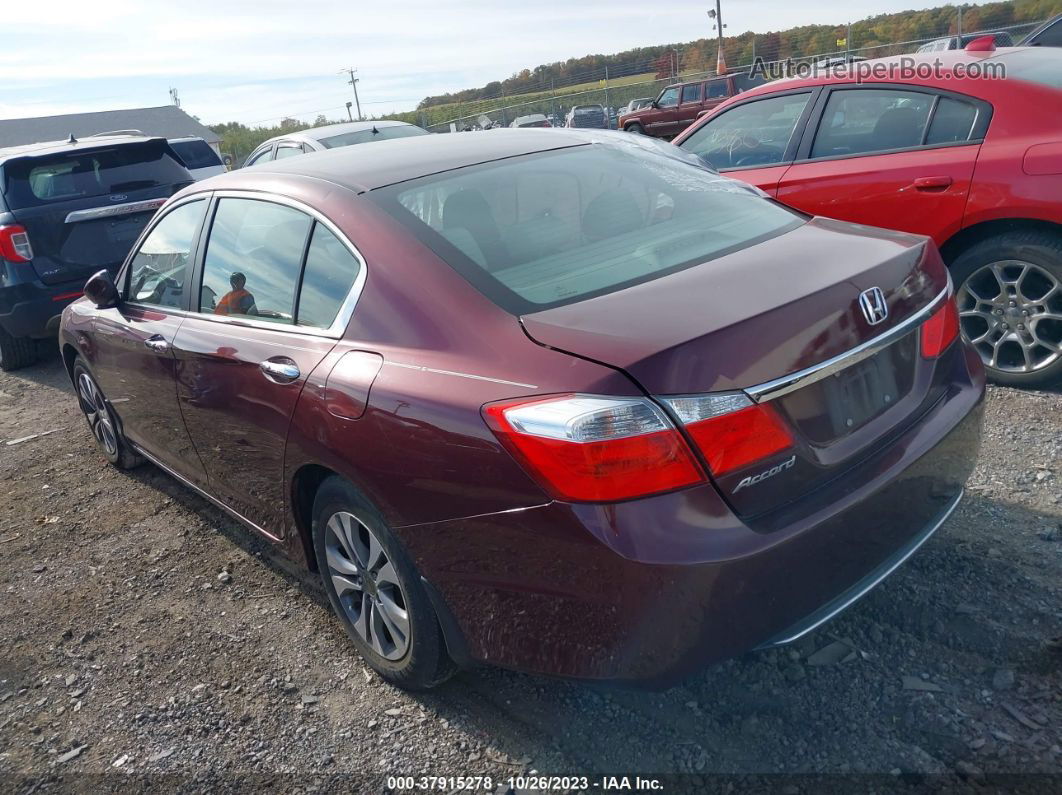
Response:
column 940, row 330
column 730, row 430
column 14, row 243
column 587, row 448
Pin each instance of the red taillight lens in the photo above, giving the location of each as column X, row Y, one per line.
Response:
column 940, row 330
column 585, row 448
column 14, row 243
column 730, row 430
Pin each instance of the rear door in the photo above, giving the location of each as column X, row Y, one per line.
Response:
column 900, row 157
column 84, row 208
column 754, row 141
column 253, row 338
column 690, row 104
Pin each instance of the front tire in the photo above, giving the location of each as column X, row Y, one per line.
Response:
column 635, row 128
column 102, row 421
column 1009, row 293
column 375, row 590
column 16, row 352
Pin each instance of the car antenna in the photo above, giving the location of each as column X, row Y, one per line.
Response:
column 374, row 130
column 72, row 139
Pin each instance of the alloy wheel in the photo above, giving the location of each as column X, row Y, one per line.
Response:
column 99, row 418
column 367, row 586
column 1011, row 312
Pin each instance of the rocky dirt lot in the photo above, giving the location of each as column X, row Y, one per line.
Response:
column 148, row 642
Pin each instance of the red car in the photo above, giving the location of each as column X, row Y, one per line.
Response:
column 972, row 162
column 556, row 400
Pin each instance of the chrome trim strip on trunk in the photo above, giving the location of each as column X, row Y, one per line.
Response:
column 794, row 381
column 214, row 500
column 93, row 213
column 864, row 586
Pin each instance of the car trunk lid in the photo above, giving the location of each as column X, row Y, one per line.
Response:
column 741, row 323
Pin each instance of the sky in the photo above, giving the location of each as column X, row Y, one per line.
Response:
column 256, row 62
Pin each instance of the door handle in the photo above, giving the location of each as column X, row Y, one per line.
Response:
column 931, row 183
column 157, row 343
column 281, row 372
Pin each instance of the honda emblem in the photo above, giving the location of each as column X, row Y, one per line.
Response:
column 872, row 302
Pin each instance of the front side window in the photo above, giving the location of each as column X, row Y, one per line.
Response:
column 691, row 93
column 288, row 151
column 158, row 271
column 554, row 228
column 860, row 121
column 330, row 273
column 261, row 157
column 669, row 98
column 253, row 259
column 754, row 134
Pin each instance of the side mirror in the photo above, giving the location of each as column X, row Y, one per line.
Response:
column 655, row 104
column 101, row 290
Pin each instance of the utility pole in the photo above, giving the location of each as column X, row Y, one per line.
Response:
column 959, row 29
column 720, row 57
column 174, row 99
column 354, row 82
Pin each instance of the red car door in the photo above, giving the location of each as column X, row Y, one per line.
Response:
column 132, row 356
column 754, row 141
column 662, row 121
column 254, row 338
column 900, row 158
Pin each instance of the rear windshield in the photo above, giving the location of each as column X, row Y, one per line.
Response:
column 554, row 228
column 84, row 174
column 376, row 134
column 1042, row 65
column 196, row 154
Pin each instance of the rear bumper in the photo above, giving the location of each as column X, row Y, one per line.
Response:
column 33, row 309
column 652, row 590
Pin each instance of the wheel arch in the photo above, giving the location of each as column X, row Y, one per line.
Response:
column 975, row 233
column 70, row 353
column 305, row 484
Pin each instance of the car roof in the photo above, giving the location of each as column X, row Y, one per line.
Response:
column 365, row 168
column 44, row 148
column 948, row 60
column 328, row 130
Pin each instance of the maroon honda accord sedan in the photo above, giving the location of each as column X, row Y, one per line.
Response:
column 565, row 402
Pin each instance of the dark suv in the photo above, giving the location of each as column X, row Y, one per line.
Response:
column 67, row 209
column 679, row 105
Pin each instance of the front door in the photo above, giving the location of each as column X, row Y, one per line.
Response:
column 662, row 121
column 900, row 159
column 245, row 354
column 132, row 357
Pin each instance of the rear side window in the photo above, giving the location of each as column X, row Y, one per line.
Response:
column 715, row 89
column 1049, row 37
column 953, row 121
column 196, row 154
column 158, row 270
column 288, row 151
column 871, row 120
column 262, row 157
column 326, row 281
column 691, row 93
column 555, row 228
column 253, row 259
column 69, row 176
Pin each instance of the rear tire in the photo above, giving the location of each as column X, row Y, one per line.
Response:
column 375, row 590
column 102, row 421
column 635, row 127
column 16, row 352
column 1009, row 292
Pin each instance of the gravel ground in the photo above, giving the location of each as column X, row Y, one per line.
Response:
column 148, row 642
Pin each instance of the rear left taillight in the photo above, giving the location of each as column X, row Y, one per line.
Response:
column 14, row 243
column 940, row 330
column 587, row 448
column 730, row 430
